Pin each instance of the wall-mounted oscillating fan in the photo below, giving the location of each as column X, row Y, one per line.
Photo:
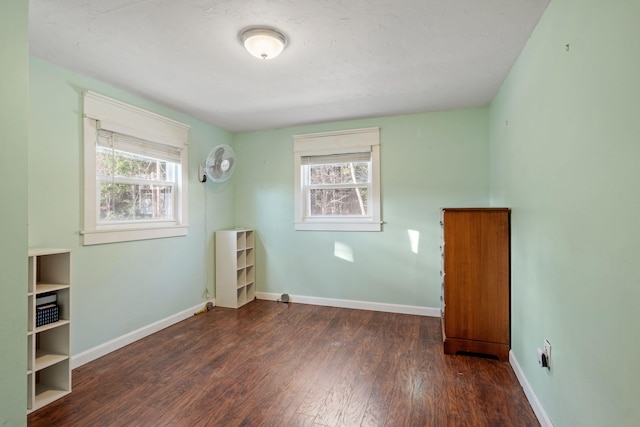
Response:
column 220, row 164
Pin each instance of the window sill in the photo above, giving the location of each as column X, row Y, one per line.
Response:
column 337, row 226
column 99, row 237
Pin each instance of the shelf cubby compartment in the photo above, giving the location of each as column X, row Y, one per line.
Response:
column 241, row 240
column 241, row 259
column 242, row 278
column 251, row 291
column 249, row 257
column 53, row 268
column 249, row 239
column 63, row 297
column 241, row 295
column 51, row 383
column 250, row 275
column 52, row 345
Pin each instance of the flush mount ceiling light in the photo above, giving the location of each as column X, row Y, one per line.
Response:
column 263, row 42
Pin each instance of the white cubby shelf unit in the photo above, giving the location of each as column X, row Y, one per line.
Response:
column 48, row 345
column 235, row 267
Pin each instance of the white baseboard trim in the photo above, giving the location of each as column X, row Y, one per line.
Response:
column 358, row 305
column 116, row 343
column 541, row 414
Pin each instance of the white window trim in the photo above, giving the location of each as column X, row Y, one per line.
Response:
column 338, row 142
column 101, row 112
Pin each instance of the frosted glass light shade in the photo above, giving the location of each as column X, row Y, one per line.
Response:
column 263, row 43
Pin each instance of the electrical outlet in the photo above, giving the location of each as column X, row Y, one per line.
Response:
column 541, row 361
column 547, row 352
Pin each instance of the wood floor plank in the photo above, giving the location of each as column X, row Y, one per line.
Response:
column 274, row 364
column 347, row 400
column 335, row 351
column 293, row 370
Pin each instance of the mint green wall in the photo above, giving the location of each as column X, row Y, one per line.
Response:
column 428, row 161
column 14, row 96
column 565, row 144
column 117, row 288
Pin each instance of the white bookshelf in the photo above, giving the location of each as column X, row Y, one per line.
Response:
column 48, row 345
column 235, row 269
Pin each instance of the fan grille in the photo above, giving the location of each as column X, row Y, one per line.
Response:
column 220, row 163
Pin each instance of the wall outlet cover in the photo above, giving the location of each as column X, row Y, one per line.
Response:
column 547, row 352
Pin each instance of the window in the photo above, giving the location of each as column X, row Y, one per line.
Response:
column 338, row 181
column 137, row 181
column 135, row 173
column 337, row 185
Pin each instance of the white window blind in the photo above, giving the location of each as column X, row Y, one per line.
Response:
column 336, row 158
column 131, row 144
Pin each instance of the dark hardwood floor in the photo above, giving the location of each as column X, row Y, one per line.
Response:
column 275, row 364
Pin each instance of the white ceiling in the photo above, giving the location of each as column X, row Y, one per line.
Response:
column 345, row 58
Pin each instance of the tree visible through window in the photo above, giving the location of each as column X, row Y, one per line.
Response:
column 337, row 181
column 137, row 179
column 338, row 188
column 134, row 187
